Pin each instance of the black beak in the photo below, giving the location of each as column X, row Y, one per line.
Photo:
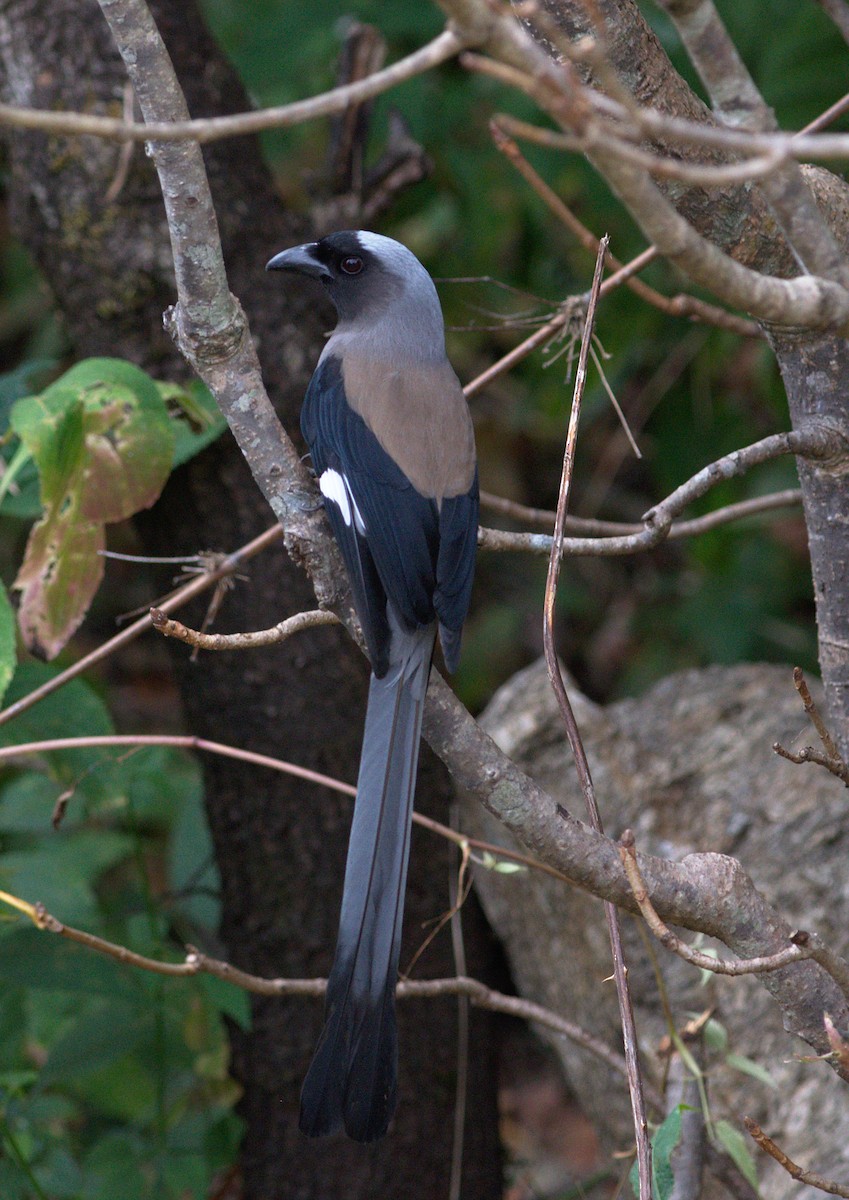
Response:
column 300, row 259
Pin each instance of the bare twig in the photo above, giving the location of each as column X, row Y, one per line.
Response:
column 737, row 100
column 635, row 1080
column 819, row 442
column 125, row 154
column 556, row 326
column 445, row 46
column 755, row 506
column 189, row 742
column 810, row 1177
column 830, row 114
column 830, row 756
column 227, row 567
column 195, row 963
column 241, row 641
column 681, row 305
column 671, row 941
column 803, row 945
column 813, row 712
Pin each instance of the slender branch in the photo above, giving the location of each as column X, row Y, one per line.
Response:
column 810, row 1177
column 196, row 963
column 806, row 300
column 803, row 146
column 190, row 742
column 207, row 323
column 813, row 712
column 806, row 145
column 804, row 945
column 447, row 45
column 830, row 757
column 737, row 100
column 240, row 641
column 755, row 506
column 828, row 115
column 681, row 305
column 809, row 754
column 226, row 568
column 758, row 167
column 620, row 970
column 820, row 442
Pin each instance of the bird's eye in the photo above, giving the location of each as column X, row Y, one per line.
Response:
column 352, row 265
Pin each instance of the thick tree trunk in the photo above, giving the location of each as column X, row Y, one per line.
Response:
column 280, row 844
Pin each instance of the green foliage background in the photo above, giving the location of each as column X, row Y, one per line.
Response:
column 114, row 1082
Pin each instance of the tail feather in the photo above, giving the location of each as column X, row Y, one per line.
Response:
column 352, row 1078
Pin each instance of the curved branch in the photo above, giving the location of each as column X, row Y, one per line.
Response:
column 807, row 300
column 447, row 45
column 197, row 963
column 821, row 442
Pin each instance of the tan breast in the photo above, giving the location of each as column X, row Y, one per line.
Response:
column 421, row 419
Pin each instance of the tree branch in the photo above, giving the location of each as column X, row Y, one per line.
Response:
column 753, row 507
column 807, row 300
column 738, row 101
column 196, row 963
column 582, row 766
column 820, row 442
column 240, row 641
column 804, row 945
column 810, row 1177
column 181, row 128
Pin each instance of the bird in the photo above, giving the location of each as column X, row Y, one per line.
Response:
column 393, row 449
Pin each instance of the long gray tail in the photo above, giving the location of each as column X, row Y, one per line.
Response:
column 352, row 1080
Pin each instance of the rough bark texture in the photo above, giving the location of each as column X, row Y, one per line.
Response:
column 280, row 845
column 687, row 766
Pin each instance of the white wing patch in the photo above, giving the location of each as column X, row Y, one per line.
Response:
column 334, row 487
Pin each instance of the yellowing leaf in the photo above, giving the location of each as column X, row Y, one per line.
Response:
column 60, row 573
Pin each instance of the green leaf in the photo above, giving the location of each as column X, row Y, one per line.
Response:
column 116, row 1166
column 103, row 444
column 105, row 1033
column 197, row 420
column 716, row 1036
column 45, row 961
column 740, row 1063
column 73, row 711
column 129, row 440
column 51, row 427
column 663, row 1143
column 490, row 862
column 737, row 1148
column 58, row 578
column 7, row 642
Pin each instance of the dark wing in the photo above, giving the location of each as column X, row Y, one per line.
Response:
column 389, row 536
column 455, row 568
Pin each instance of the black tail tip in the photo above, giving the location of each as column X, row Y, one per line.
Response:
column 363, row 1123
